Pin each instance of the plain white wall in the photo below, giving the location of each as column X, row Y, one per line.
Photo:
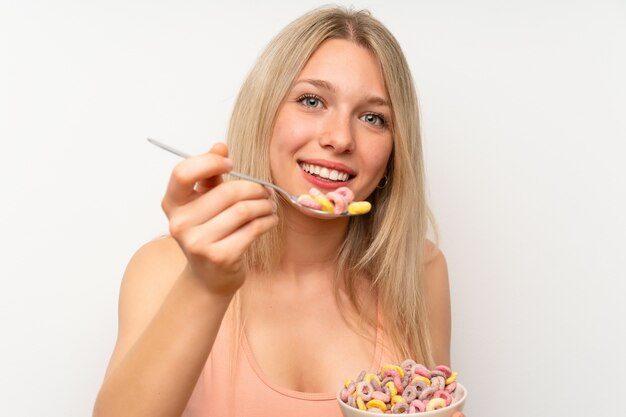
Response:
column 522, row 105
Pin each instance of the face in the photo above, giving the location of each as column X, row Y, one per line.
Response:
column 333, row 129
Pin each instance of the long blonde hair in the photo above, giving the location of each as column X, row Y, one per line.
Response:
column 387, row 246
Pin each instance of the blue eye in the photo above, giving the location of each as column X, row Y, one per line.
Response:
column 374, row 119
column 310, row 100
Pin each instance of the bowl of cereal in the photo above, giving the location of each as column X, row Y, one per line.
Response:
column 407, row 388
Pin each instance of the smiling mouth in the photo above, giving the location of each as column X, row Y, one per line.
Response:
column 325, row 173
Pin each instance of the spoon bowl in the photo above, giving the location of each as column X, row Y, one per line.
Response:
column 293, row 200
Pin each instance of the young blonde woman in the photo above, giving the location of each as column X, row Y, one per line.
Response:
column 252, row 308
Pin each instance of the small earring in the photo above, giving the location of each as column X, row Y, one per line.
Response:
column 383, row 182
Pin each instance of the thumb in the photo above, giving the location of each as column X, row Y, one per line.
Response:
column 205, row 185
column 220, row 149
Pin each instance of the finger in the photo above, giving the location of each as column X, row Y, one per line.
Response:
column 203, row 186
column 229, row 250
column 220, row 149
column 212, row 203
column 190, row 171
column 235, row 217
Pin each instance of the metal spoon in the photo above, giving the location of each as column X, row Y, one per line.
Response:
column 290, row 198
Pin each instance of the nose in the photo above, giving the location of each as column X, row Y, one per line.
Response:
column 338, row 135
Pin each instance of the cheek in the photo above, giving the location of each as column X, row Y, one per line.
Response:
column 290, row 132
column 377, row 158
column 285, row 140
column 380, row 156
column 277, row 141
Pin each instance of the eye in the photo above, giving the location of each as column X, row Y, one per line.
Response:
column 310, row 100
column 374, row 119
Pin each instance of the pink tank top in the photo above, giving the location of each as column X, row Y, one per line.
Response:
column 255, row 395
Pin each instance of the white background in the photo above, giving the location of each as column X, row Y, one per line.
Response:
column 524, row 129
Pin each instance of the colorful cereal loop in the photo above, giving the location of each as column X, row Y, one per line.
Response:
column 435, row 404
column 377, row 404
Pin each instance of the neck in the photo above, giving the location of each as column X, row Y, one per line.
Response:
column 310, row 245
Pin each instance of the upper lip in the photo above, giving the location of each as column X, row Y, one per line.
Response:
column 338, row 166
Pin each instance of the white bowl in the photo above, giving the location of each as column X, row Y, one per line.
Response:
column 458, row 402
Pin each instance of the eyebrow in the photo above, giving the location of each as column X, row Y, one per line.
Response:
column 318, row 83
column 328, row 86
column 377, row 101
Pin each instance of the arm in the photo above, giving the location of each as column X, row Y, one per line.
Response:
column 437, row 292
column 167, row 326
column 175, row 292
column 437, row 296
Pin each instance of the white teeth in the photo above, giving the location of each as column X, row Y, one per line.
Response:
column 326, row 173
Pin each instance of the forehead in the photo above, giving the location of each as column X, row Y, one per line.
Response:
column 346, row 65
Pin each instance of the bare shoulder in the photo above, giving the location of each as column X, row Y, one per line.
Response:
column 437, row 301
column 149, row 276
column 154, row 262
column 435, row 264
column 162, row 249
column 435, row 278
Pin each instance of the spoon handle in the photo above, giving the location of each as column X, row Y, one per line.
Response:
column 169, row 148
column 258, row 181
column 233, row 173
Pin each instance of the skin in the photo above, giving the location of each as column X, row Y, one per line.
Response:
column 176, row 290
column 332, row 115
